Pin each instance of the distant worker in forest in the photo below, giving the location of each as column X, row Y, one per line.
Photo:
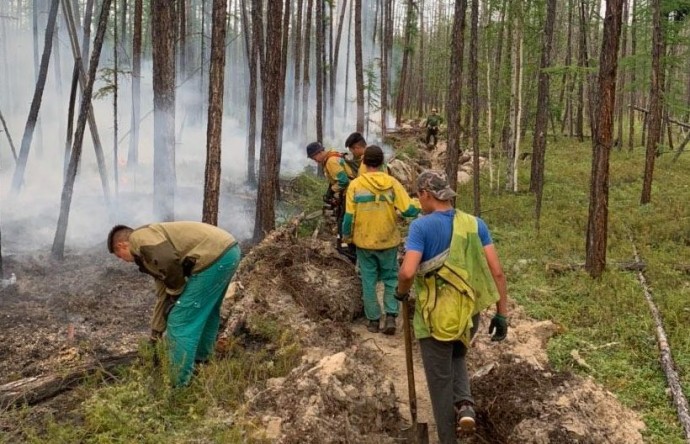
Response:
column 192, row 264
column 433, row 121
column 370, row 221
column 457, row 273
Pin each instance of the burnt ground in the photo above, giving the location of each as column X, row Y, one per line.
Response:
column 58, row 313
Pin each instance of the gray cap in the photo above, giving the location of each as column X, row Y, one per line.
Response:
column 436, row 183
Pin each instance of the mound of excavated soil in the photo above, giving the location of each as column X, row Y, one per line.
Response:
column 340, row 398
column 521, row 399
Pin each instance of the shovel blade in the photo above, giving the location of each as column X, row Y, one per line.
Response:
column 417, row 434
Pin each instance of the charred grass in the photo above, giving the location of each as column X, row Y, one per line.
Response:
column 607, row 320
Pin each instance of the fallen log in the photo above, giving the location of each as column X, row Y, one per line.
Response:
column 36, row 389
column 666, row 358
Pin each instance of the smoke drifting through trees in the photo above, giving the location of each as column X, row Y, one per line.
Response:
column 350, row 90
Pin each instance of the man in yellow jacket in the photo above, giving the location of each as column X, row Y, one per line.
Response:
column 338, row 172
column 370, row 220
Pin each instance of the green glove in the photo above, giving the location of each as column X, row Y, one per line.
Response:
column 498, row 328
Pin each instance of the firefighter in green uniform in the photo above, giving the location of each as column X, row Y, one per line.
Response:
column 192, row 264
column 371, row 222
column 433, row 121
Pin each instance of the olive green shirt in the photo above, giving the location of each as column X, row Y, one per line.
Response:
column 173, row 251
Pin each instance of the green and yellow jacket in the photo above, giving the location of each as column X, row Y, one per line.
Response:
column 370, row 219
column 173, row 251
column 337, row 171
column 454, row 286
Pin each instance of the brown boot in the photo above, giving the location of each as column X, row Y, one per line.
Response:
column 389, row 328
column 373, row 326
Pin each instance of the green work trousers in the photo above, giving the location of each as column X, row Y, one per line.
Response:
column 193, row 322
column 375, row 265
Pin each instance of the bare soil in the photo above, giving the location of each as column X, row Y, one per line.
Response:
column 59, row 313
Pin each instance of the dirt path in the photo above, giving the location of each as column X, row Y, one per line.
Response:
column 391, row 349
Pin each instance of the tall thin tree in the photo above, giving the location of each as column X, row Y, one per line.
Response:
column 215, row 113
column 271, row 91
column 536, row 184
column 306, row 85
column 474, row 99
column 164, row 179
column 359, row 66
column 18, row 177
column 407, row 50
column 133, row 153
column 597, row 224
column 252, row 50
column 655, row 102
column 457, row 47
column 320, row 50
column 58, row 248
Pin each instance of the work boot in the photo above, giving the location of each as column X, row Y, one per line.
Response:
column 389, row 328
column 373, row 326
column 464, row 413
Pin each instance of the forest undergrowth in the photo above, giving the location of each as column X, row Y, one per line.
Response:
column 607, row 321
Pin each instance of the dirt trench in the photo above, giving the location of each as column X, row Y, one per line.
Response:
column 352, row 386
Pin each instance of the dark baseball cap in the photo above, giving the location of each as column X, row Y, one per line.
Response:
column 313, row 149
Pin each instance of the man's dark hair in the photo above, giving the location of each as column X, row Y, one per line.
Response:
column 354, row 139
column 373, row 156
column 117, row 234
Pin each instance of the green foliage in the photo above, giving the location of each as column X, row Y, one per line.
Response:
column 141, row 406
column 607, row 320
column 304, row 194
column 107, row 77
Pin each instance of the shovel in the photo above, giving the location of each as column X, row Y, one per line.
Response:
column 418, row 433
